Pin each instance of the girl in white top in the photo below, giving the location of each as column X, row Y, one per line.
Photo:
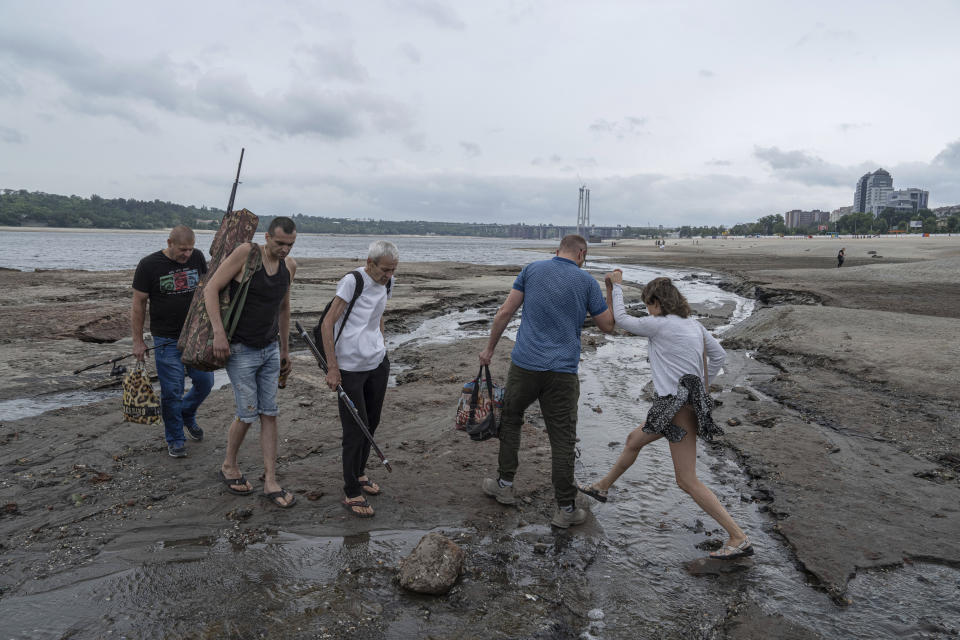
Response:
column 683, row 355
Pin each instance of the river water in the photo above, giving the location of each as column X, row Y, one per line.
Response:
column 644, row 539
column 114, row 250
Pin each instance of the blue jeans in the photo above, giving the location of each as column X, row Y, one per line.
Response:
column 178, row 409
column 254, row 374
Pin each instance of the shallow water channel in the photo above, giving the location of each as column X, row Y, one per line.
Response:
column 636, row 579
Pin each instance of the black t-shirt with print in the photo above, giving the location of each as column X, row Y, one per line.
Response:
column 170, row 286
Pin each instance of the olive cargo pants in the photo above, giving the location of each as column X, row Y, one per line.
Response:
column 559, row 395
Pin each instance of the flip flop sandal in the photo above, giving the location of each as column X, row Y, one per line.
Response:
column 597, row 494
column 367, row 487
column 276, row 496
column 726, row 552
column 350, row 504
column 232, row 481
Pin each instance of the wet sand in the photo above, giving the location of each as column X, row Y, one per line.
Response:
column 847, row 402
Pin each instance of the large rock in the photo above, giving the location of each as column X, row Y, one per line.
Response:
column 433, row 566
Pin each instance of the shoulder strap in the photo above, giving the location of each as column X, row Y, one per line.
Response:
column 357, row 290
column 250, row 267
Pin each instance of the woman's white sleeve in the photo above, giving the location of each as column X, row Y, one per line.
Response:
column 716, row 356
column 637, row 326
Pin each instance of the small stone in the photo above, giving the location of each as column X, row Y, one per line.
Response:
column 11, row 508
column 541, row 548
column 314, row 495
column 733, row 422
column 597, row 409
column 595, row 614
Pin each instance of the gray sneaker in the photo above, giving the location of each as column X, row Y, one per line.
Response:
column 504, row 495
column 177, row 450
column 564, row 519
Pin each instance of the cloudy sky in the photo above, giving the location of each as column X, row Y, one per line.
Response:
column 670, row 112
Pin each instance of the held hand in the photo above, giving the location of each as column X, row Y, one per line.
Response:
column 285, row 364
column 614, row 277
column 139, row 350
column 486, row 356
column 333, row 378
column 221, row 348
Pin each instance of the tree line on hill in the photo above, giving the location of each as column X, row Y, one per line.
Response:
column 22, row 208
column 887, row 221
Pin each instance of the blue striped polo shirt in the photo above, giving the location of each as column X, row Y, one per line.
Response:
column 557, row 294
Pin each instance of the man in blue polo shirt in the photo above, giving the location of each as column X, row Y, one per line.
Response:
column 556, row 295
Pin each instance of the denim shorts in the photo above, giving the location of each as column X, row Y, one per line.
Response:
column 254, row 374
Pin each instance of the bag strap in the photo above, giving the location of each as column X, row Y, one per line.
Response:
column 357, row 291
column 475, row 395
column 250, row 267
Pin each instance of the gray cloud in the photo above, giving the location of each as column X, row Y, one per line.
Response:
column 778, row 159
column 628, row 126
column 11, row 136
column 706, row 73
column 338, row 62
column 121, row 88
column 950, row 156
column 415, row 141
column 821, row 35
column 718, row 163
column 436, row 12
column 851, row 126
column 9, row 86
column 472, row 149
column 410, row 52
column 800, row 166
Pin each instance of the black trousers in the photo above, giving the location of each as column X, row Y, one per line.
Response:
column 367, row 390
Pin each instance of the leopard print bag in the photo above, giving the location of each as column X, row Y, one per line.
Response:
column 140, row 403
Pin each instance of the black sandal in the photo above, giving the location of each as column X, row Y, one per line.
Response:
column 349, row 505
column 599, row 495
column 229, row 482
column 276, row 496
column 368, row 487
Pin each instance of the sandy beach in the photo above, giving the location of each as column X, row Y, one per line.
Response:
column 843, row 381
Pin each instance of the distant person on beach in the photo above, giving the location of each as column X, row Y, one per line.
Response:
column 258, row 351
column 165, row 281
column 357, row 360
column 681, row 353
column 556, row 296
column 841, row 256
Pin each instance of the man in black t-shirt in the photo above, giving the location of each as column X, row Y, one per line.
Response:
column 167, row 279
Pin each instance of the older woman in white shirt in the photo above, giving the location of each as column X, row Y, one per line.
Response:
column 683, row 357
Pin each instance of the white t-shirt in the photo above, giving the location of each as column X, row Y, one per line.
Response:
column 361, row 347
column 676, row 345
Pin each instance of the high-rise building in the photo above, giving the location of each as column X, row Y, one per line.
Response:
column 875, row 193
column 879, row 186
column 860, row 195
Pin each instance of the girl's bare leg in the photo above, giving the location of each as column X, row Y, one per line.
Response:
column 635, row 441
column 684, row 454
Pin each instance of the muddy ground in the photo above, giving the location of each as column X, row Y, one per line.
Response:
column 848, row 405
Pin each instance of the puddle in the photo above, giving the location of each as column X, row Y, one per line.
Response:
column 19, row 408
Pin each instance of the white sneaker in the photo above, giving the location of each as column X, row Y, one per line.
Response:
column 504, row 495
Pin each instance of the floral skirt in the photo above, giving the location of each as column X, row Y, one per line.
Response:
column 689, row 391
